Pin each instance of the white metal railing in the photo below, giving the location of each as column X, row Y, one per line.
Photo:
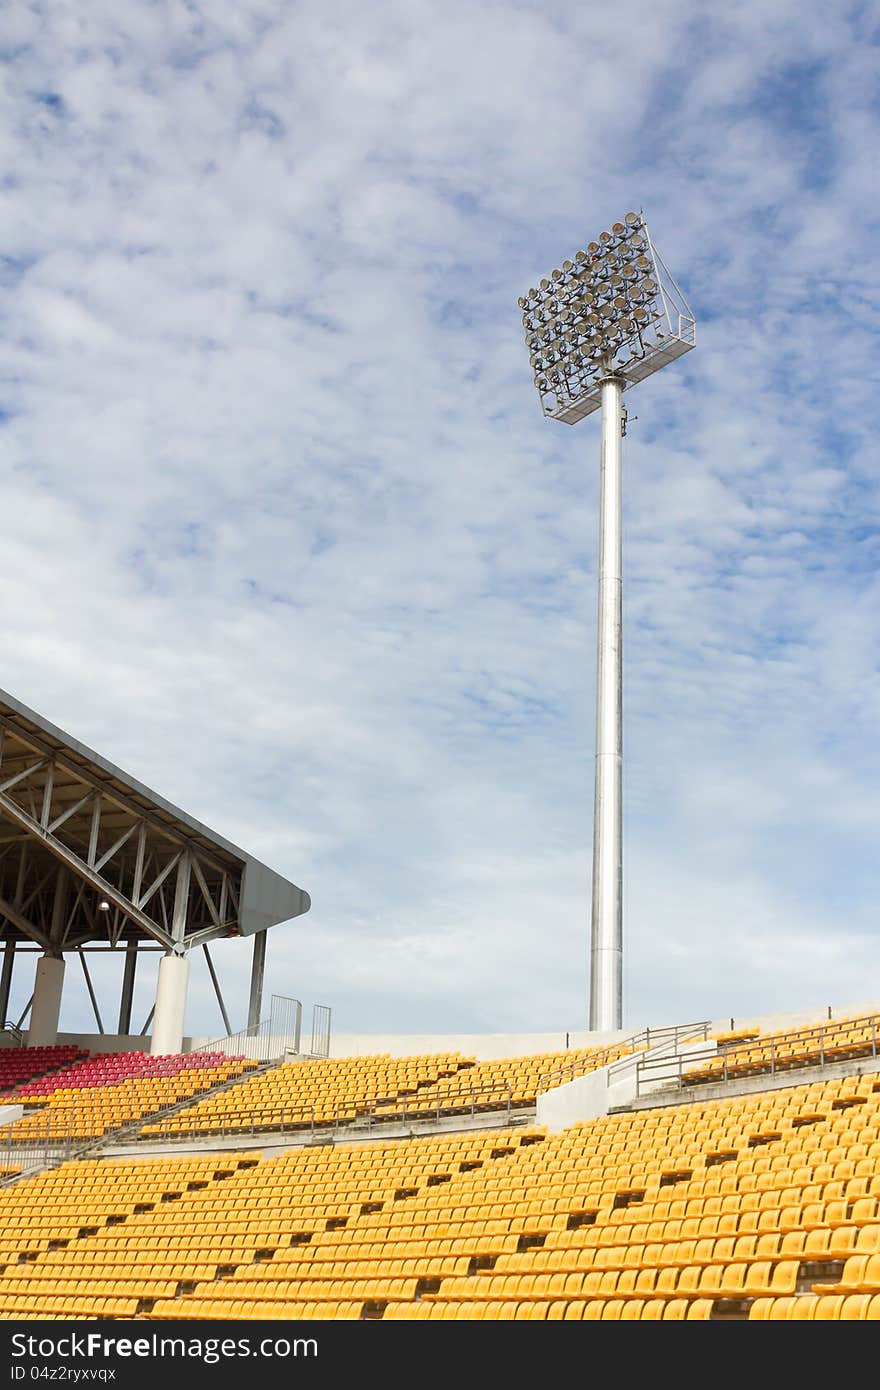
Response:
column 42, row 1145
column 276, row 1036
column 680, row 1071
column 255, row 1042
column 321, row 1017
column 285, row 1021
column 610, row 1056
column 661, row 1043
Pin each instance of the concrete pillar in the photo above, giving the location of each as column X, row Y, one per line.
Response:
column 170, row 1004
column 46, row 1008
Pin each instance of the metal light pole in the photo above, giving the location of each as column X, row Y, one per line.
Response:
column 607, row 319
column 606, row 947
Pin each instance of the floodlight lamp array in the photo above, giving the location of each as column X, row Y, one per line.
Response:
column 613, row 310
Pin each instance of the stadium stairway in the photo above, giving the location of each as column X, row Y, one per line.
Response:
column 119, row 1135
column 33, row 1161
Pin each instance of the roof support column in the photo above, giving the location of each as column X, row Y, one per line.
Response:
column 49, row 978
column 6, row 979
column 181, row 899
column 125, row 1001
column 170, row 1004
column 217, row 990
column 258, row 968
column 173, row 980
column 46, row 1007
column 59, row 904
column 91, row 989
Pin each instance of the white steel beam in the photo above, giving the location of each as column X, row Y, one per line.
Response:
column 82, row 870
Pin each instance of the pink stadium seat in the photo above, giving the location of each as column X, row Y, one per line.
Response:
column 23, row 1064
column 111, row 1068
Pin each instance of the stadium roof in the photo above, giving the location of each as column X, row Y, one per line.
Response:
column 87, row 853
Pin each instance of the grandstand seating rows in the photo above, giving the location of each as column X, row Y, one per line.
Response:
column 332, row 1092
column 514, row 1080
column 764, row 1206
column 21, row 1064
column 127, row 1087
column 104, row 1092
column 111, row 1068
column 319, row 1093
column 751, row 1055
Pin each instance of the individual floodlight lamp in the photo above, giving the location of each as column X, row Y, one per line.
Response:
column 609, row 317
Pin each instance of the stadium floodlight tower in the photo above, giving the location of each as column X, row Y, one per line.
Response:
column 605, row 320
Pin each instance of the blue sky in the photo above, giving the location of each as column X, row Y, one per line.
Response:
column 288, row 538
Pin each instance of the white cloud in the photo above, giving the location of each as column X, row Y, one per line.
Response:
column 288, row 538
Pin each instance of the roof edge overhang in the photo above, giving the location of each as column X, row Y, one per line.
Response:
column 267, row 898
